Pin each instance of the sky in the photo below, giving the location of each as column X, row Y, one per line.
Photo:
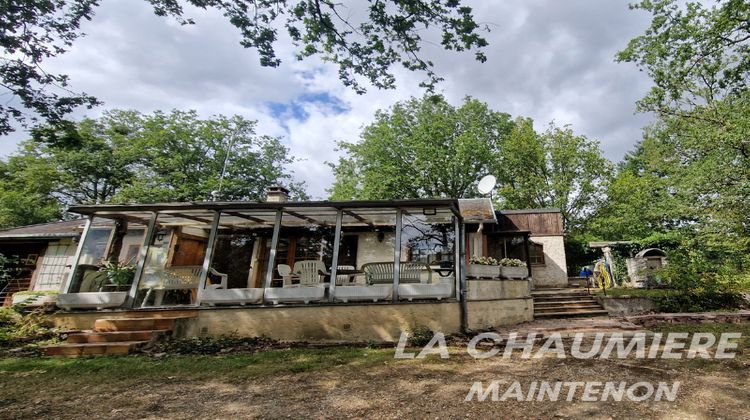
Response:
column 548, row 60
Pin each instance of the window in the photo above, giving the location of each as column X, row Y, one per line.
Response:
column 536, row 253
column 506, row 246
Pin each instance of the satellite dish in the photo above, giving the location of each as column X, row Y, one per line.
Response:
column 487, row 184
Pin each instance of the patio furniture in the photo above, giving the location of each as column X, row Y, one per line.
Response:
column 176, row 278
column 286, row 274
column 309, row 272
column 345, row 274
column 241, row 296
column 410, row 272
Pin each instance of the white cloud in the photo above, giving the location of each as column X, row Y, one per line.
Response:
column 546, row 60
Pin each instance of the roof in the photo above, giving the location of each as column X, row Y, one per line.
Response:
column 53, row 230
column 254, row 205
column 530, row 211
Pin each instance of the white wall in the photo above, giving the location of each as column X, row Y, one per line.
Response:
column 554, row 272
column 369, row 249
column 54, row 268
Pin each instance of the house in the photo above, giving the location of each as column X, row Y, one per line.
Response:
column 41, row 254
column 312, row 270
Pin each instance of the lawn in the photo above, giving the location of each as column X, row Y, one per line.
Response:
column 357, row 382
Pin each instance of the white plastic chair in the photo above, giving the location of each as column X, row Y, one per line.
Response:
column 309, row 272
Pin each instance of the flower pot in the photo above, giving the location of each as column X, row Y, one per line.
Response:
column 514, row 272
column 33, row 300
column 483, row 271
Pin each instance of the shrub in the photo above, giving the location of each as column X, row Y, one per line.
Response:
column 699, row 301
column 512, row 262
column 420, row 335
column 18, row 328
column 484, row 261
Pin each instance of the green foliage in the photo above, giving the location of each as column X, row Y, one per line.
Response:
column 206, row 345
column 511, row 262
column 693, row 53
column 700, row 301
column 426, row 148
column 578, row 253
column 421, row 148
column 390, row 34
column 483, row 260
column 117, row 273
column 126, row 156
column 18, row 328
column 553, row 169
column 420, row 335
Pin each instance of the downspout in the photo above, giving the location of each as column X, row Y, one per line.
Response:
column 462, row 277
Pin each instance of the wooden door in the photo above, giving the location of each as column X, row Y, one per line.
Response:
column 188, row 252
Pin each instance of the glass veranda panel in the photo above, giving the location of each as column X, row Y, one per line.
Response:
column 174, row 262
column 428, row 254
column 241, row 246
column 109, row 255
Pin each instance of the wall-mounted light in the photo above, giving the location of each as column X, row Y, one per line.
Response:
column 160, row 235
column 381, row 236
column 429, row 211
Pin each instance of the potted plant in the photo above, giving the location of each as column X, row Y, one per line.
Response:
column 483, row 267
column 513, row 268
column 118, row 275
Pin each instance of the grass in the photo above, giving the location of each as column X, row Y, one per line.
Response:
column 197, row 367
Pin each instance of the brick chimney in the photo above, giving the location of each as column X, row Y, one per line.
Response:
column 277, row 194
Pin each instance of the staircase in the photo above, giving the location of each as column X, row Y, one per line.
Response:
column 565, row 303
column 114, row 336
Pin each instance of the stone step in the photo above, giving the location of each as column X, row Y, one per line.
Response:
column 558, row 309
column 135, row 324
column 560, row 301
column 572, row 314
column 577, row 302
column 563, row 292
column 92, row 349
column 114, row 336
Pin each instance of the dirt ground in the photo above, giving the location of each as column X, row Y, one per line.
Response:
column 385, row 388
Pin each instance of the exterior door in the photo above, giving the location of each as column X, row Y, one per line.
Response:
column 188, row 252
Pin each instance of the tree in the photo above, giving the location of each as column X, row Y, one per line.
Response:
column 391, row 33
column 182, row 158
column 421, row 148
column 694, row 54
column 699, row 59
column 553, row 169
column 25, row 200
column 642, row 198
column 126, row 156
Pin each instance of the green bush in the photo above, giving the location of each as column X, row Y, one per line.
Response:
column 17, row 328
column 420, row 335
column 699, row 301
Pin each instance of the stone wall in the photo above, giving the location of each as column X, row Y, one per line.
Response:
column 627, row 305
column 554, row 272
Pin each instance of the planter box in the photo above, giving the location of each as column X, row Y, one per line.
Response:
column 243, row 296
column 514, row 272
column 88, row 300
column 305, row 294
column 33, row 300
column 373, row 292
column 439, row 291
column 483, row 271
